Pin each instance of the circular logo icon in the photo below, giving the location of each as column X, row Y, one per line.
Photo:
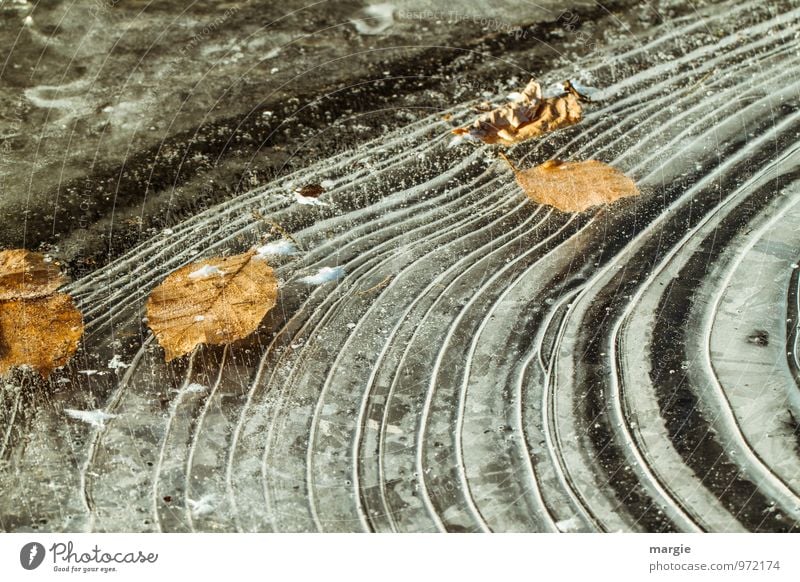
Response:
column 31, row 555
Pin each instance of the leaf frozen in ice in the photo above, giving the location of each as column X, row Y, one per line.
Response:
column 310, row 190
column 527, row 115
column 38, row 327
column 42, row 333
column 24, row 274
column 216, row 301
column 574, row 186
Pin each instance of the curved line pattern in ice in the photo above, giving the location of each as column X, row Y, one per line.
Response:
column 485, row 364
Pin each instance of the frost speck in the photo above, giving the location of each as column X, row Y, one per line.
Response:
column 276, row 248
column 205, row 271
column 202, row 506
column 376, row 20
column 324, row 275
column 195, row 388
column 96, row 418
column 459, row 139
column 590, row 92
column 567, row 525
column 308, row 200
column 116, row 363
column 557, row 89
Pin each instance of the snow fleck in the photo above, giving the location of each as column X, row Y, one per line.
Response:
column 376, row 20
column 198, row 318
column 554, row 90
column 272, row 53
column 308, row 200
column 390, row 428
column 195, row 388
column 96, row 418
column 202, row 506
column 205, row 271
column 586, row 90
column 571, row 524
column 459, row 139
column 557, row 89
column 328, row 184
column 324, row 275
column 116, row 363
column 276, row 248
column 88, row 372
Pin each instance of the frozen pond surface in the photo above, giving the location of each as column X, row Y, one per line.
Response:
column 447, row 355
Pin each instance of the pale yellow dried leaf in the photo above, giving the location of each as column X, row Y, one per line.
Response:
column 25, row 274
column 42, row 333
column 216, row 301
column 575, row 186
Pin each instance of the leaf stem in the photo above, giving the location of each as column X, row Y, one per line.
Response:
column 509, row 162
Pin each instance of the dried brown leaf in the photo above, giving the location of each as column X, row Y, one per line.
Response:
column 216, row 301
column 42, row 333
column 24, row 274
column 311, row 190
column 575, row 186
column 528, row 115
column 38, row 327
